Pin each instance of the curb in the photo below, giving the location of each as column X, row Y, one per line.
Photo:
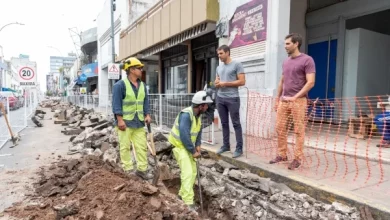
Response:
column 359, row 156
column 302, row 185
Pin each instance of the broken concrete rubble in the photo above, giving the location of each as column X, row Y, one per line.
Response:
column 228, row 192
column 39, row 113
column 238, row 194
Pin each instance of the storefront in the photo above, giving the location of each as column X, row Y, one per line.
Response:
column 87, row 78
column 176, row 45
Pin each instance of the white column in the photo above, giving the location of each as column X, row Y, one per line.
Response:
column 278, row 26
column 340, row 57
column 103, row 88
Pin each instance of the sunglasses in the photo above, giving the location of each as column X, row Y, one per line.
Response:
column 139, row 68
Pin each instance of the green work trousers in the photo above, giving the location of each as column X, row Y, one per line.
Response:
column 188, row 173
column 138, row 137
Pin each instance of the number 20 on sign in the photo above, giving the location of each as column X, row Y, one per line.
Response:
column 27, row 76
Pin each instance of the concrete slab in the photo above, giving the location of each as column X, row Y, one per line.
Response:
column 330, row 172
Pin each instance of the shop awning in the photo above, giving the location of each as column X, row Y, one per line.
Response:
column 7, row 90
column 87, row 71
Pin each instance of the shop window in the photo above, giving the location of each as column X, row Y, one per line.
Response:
column 176, row 80
column 168, row 82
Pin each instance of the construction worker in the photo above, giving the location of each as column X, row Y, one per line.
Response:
column 130, row 105
column 185, row 136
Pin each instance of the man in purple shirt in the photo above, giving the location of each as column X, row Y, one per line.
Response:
column 297, row 79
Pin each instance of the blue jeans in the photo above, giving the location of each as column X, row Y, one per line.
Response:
column 225, row 107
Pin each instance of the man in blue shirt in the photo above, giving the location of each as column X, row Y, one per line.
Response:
column 130, row 105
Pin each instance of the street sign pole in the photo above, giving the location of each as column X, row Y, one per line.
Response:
column 113, row 8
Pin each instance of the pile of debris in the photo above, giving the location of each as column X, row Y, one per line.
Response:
column 230, row 193
column 239, row 194
column 38, row 115
column 90, row 133
column 94, row 186
column 88, row 188
column 52, row 103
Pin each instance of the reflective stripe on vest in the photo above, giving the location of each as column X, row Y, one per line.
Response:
column 131, row 104
column 196, row 124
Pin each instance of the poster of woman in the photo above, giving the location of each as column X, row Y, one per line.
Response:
column 248, row 24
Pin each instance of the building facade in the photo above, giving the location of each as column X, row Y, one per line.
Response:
column 3, row 69
column 126, row 12
column 58, row 65
column 347, row 40
column 176, row 40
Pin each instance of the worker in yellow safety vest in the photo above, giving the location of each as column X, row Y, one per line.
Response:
column 185, row 136
column 130, row 105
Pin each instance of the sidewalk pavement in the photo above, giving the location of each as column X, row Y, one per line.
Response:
column 324, row 175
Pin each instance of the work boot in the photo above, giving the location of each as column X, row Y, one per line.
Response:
column 223, row 149
column 192, row 208
column 278, row 159
column 237, row 154
column 294, row 165
column 144, row 175
column 129, row 172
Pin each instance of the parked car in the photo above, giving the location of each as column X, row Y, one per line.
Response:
column 13, row 100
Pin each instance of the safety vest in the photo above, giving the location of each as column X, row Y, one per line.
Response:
column 132, row 104
column 196, row 124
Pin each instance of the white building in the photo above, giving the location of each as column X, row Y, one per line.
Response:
column 3, row 68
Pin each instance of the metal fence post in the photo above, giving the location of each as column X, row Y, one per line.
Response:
column 108, row 101
column 212, row 133
column 8, row 111
column 160, row 111
column 25, row 111
column 30, row 102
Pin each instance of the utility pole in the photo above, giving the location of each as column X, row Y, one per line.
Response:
column 113, row 8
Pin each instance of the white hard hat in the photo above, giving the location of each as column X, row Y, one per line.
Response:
column 201, row 97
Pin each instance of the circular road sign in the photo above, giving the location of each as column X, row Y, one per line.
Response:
column 26, row 73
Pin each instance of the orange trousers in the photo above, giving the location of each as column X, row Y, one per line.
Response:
column 297, row 110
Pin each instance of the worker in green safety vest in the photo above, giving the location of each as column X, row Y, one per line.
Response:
column 185, row 136
column 130, row 105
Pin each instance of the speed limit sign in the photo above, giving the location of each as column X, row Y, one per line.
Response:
column 27, row 76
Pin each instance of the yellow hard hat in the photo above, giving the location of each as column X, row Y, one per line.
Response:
column 132, row 61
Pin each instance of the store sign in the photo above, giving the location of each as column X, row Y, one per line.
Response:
column 83, row 90
column 248, row 24
column 83, row 77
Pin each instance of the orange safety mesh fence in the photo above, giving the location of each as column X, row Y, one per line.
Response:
column 344, row 139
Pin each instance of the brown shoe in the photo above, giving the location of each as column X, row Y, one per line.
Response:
column 294, row 165
column 278, row 159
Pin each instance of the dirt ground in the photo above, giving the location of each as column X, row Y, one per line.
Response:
column 90, row 189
